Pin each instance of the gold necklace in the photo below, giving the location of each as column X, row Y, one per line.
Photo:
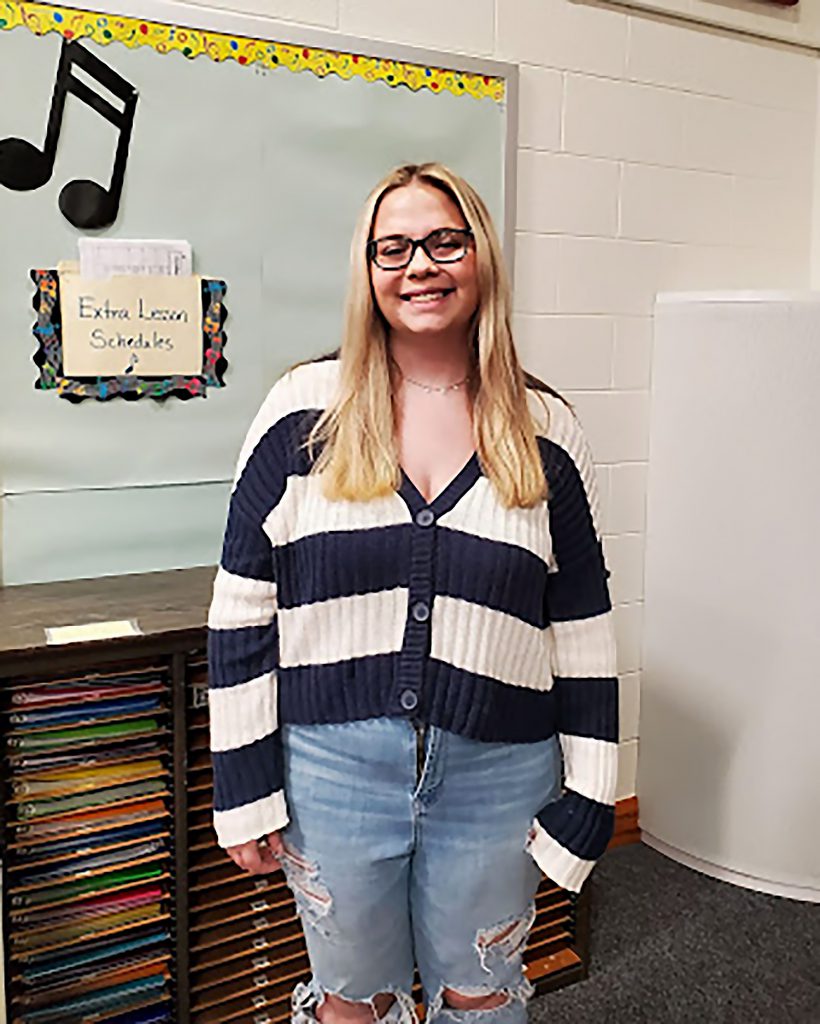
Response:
column 431, row 387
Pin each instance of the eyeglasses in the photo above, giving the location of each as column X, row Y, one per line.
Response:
column 395, row 252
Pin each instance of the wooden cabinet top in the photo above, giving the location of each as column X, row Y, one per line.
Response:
column 173, row 603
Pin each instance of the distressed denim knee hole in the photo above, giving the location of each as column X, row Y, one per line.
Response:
column 308, row 999
column 441, row 1010
column 312, row 897
column 504, row 942
column 456, row 1000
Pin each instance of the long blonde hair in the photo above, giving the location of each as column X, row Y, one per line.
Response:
column 358, row 459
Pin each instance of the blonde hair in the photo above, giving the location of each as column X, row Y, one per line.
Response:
column 358, row 459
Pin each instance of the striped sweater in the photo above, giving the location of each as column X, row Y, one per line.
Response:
column 489, row 622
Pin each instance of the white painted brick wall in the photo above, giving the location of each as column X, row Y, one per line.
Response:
column 463, row 25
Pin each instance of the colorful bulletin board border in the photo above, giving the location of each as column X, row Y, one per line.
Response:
column 72, row 23
column 49, row 354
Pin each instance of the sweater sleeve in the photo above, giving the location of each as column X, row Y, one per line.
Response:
column 249, row 800
column 571, row 833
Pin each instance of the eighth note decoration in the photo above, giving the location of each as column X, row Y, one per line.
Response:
column 24, row 167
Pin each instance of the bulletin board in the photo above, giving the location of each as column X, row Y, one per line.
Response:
column 257, row 144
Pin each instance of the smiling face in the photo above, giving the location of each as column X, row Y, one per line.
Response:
column 425, row 297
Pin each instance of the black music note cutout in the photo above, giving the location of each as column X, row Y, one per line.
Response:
column 24, row 167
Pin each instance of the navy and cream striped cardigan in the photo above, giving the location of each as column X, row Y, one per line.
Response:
column 492, row 623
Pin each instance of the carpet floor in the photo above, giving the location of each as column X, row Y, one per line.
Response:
column 671, row 946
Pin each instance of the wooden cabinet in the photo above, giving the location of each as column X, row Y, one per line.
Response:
column 115, row 894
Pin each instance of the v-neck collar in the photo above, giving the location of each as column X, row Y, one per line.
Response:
column 448, row 497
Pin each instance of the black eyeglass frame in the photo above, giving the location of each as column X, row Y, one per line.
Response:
column 416, row 243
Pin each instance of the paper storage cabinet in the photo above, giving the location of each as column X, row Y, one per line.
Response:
column 118, row 906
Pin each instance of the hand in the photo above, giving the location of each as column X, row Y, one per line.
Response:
column 258, row 857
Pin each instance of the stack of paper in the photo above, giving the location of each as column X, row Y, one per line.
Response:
column 105, row 257
column 89, row 862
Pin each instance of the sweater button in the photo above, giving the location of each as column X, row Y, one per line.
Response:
column 421, row 611
column 425, row 517
column 408, row 700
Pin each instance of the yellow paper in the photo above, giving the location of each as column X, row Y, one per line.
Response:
column 148, row 326
column 92, row 631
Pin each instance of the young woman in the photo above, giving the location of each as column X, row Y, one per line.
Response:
column 413, row 687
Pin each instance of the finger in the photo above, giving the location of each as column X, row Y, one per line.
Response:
column 258, row 859
column 238, row 853
column 251, row 860
column 236, row 857
column 268, row 867
column 254, row 857
column 276, row 844
column 269, row 862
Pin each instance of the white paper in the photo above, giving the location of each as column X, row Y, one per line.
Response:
column 92, row 631
column 101, row 258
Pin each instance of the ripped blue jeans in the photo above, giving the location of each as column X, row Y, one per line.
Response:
column 403, row 853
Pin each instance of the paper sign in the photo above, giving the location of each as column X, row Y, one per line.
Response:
column 148, row 326
column 92, row 631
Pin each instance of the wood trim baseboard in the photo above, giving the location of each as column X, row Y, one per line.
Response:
column 626, row 823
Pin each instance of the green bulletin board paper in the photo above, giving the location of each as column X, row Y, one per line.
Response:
column 263, row 172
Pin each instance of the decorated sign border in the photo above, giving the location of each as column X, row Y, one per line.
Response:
column 49, row 354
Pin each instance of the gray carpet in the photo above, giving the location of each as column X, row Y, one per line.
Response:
column 671, row 946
